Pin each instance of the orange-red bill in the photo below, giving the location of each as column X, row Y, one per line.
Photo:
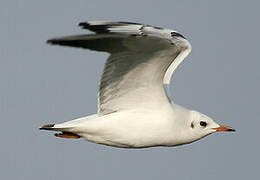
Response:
column 224, row 128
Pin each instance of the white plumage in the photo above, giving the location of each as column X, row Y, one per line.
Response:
column 133, row 108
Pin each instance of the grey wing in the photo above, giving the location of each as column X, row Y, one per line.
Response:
column 142, row 59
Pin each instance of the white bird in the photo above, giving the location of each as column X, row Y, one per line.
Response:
column 134, row 111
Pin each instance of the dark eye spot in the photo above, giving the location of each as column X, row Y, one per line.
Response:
column 192, row 125
column 203, row 123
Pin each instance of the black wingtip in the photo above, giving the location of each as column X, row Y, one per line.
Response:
column 84, row 24
column 98, row 28
column 52, row 41
column 56, row 41
column 47, row 127
column 177, row 34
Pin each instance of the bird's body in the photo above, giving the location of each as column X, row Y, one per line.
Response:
column 134, row 128
column 133, row 110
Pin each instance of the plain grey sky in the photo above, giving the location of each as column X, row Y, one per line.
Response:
column 42, row 84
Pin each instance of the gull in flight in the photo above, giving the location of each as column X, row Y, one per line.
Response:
column 134, row 109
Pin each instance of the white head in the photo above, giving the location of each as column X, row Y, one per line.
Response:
column 200, row 125
column 203, row 125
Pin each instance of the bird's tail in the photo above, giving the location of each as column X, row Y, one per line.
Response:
column 67, row 129
column 64, row 132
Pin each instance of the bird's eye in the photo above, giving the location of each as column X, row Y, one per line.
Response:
column 203, row 123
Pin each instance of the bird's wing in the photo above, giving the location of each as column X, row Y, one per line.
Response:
column 142, row 60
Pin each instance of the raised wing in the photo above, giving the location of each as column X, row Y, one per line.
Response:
column 142, row 59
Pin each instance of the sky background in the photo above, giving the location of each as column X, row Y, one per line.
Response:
column 42, row 84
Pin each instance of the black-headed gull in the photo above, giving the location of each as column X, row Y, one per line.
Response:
column 134, row 111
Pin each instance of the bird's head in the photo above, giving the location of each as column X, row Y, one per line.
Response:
column 202, row 125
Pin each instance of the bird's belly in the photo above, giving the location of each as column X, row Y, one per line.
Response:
column 131, row 130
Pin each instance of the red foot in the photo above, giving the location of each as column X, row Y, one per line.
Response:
column 67, row 135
